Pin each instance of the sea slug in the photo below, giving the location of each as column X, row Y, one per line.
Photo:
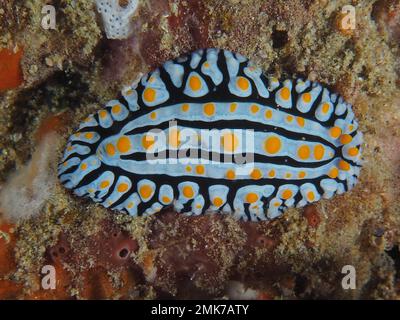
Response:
column 136, row 154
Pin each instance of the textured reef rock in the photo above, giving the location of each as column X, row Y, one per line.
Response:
column 117, row 17
column 72, row 70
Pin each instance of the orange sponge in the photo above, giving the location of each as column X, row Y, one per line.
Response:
column 10, row 69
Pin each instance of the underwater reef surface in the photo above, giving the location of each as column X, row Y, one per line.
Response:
column 50, row 79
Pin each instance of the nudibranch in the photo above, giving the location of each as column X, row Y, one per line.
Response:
column 136, row 154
